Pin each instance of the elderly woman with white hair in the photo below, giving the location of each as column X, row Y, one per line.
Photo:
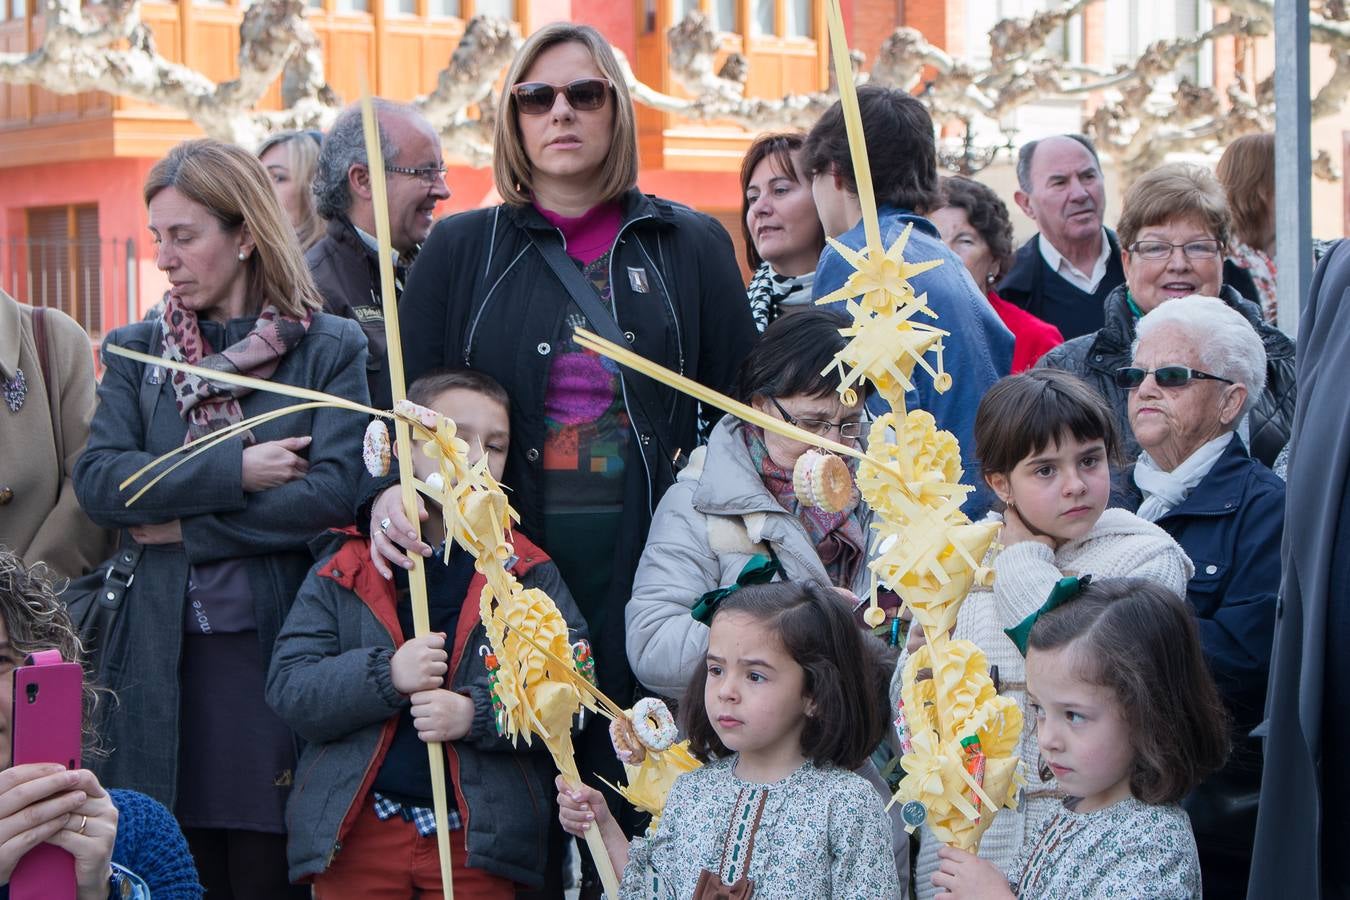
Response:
column 1197, row 367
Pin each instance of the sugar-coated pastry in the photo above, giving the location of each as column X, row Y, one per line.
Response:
column 654, row 724
column 375, row 449
column 822, row 480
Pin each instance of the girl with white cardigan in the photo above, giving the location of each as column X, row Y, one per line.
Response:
column 1045, row 440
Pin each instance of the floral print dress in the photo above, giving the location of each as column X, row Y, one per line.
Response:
column 822, row 833
column 1129, row 849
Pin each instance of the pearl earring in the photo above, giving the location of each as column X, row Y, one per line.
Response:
column 242, row 256
column 990, row 278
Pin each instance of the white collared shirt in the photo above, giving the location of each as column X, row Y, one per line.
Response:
column 374, row 243
column 1069, row 272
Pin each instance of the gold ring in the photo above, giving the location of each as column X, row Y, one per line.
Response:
column 83, row 822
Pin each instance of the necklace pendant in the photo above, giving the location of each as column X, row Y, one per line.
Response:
column 16, row 391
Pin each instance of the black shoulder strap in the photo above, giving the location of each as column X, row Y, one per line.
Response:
column 583, row 294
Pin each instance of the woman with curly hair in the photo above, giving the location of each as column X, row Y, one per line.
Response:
column 122, row 841
column 974, row 223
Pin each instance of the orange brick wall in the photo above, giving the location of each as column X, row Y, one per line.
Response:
column 872, row 22
column 942, row 22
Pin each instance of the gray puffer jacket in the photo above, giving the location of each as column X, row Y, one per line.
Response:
column 1095, row 358
column 709, row 524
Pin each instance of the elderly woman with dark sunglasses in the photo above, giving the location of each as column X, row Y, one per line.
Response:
column 1174, row 229
column 1198, row 366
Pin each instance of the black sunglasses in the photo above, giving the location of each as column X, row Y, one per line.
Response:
column 1167, row 377
column 535, row 98
column 819, row 427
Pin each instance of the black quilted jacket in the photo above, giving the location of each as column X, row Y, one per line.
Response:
column 1096, row 357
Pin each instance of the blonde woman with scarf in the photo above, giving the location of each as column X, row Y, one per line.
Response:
column 222, row 541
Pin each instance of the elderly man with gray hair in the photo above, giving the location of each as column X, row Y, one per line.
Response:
column 1197, row 367
column 1065, row 272
column 344, row 262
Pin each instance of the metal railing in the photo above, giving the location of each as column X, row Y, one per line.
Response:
column 91, row 279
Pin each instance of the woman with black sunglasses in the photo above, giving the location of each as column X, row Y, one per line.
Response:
column 575, row 244
column 1174, row 229
column 1197, row 368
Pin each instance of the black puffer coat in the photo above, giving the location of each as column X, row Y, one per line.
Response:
column 1095, row 357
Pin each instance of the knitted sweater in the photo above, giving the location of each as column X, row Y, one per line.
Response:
column 1120, row 544
column 150, row 844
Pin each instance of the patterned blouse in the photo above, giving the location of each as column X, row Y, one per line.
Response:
column 823, row 833
column 1129, row 849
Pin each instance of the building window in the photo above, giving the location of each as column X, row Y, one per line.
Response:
column 443, row 9
column 723, row 14
column 982, row 15
column 789, row 18
column 501, row 9
column 764, row 17
column 65, row 263
column 1135, row 24
column 400, row 7
column 352, row 6
column 799, row 20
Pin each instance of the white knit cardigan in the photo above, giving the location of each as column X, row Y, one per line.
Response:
column 1120, row 544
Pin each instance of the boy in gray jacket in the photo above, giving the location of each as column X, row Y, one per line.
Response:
column 351, row 680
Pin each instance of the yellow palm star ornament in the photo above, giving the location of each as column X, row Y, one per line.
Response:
column 959, row 737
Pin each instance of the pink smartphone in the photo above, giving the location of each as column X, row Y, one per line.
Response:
column 46, row 728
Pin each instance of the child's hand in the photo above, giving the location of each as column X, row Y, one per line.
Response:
column 420, row 664
column 441, row 715
column 963, row 874
column 579, row 808
column 1016, row 531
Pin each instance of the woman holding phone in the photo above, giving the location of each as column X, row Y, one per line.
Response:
column 118, row 838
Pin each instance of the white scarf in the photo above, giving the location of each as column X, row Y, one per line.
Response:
column 1164, row 490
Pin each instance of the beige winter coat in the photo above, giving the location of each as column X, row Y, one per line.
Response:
column 39, row 443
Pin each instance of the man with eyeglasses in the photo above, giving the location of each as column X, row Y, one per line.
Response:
column 1064, row 273
column 344, row 262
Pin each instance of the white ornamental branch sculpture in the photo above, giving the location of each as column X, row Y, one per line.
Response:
column 107, row 47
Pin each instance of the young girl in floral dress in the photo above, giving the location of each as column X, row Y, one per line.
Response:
column 789, row 702
column 1045, row 440
column 1129, row 721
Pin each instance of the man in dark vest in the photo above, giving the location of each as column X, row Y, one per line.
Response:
column 1063, row 274
column 345, row 261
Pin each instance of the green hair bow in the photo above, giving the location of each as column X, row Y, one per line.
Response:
column 1063, row 591
column 759, row 570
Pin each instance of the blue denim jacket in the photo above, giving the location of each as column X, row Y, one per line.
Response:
column 978, row 352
